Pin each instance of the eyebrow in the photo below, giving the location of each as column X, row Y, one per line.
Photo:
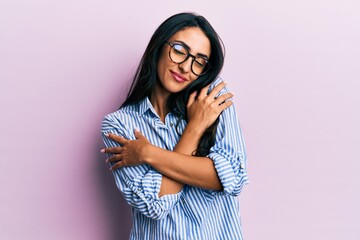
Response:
column 189, row 48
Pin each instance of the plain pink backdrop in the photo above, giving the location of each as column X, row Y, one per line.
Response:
column 292, row 65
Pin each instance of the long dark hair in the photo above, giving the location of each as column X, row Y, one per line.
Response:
column 146, row 74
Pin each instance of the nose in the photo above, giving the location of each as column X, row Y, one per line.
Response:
column 186, row 66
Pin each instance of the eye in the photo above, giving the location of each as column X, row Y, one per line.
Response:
column 201, row 62
column 179, row 49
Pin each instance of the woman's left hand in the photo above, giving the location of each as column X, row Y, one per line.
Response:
column 131, row 152
column 203, row 109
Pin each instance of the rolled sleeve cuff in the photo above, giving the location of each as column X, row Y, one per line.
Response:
column 232, row 178
column 147, row 189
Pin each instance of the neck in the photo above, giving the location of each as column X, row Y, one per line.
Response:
column 159, row 100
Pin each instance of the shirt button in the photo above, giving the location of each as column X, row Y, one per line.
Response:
column 171, row 124
column 242, row 165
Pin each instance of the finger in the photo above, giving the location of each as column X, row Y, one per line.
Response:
column 225, row 105
column 138, row 134
column 117, row 165
column 117, row 138
column 216, row 89
column 192, row 98
column 114, row 158
column 113, row 150
column 223, row 98
column 204, row 91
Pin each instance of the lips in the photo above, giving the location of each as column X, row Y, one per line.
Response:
column 178, row 77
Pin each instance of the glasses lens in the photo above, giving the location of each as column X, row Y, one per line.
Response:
column 199, row 65
column 178, row 53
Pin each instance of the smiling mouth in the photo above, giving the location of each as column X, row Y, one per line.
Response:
column 178, row 77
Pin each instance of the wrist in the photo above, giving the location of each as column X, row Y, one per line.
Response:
column 148, row 156
column 195, row 130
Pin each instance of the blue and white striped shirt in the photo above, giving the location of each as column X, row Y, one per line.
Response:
column 193, row 213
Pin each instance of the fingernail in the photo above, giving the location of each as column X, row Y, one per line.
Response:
column 137, row 129
column 225, row 82
column 106, row 134
column 102, row 150
column 107, row 160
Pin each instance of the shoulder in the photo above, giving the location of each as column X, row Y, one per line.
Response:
column 216, row 82
column 121, row 116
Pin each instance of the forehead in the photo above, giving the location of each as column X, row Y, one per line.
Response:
column 195, row 38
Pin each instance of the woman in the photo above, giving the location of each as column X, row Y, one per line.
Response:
column 175, row 145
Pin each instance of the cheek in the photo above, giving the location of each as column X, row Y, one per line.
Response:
column 163, row 63
column 161, row 66
column 193, row 77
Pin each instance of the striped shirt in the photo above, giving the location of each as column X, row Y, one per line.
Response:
column 193, row 213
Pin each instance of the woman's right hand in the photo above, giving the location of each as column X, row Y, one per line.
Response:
column 203, row 109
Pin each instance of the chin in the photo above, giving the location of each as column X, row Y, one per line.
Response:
column 175, row 89
column 172, row 86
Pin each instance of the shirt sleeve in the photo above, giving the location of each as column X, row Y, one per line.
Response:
column 228, row 153
column 140, row 185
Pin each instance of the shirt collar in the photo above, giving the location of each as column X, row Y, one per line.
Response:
column 145, row 105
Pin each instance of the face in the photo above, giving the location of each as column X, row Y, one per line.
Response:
column 174, row 77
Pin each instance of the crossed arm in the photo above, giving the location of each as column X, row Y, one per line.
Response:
column 178, row 167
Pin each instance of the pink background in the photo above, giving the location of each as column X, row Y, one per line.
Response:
column 293, row 66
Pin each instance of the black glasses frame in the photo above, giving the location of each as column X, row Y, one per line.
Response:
column 207, row 66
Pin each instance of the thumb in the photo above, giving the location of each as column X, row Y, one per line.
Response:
column 138, row 134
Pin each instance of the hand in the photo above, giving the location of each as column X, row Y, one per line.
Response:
column 203, row 109
column 131, row 153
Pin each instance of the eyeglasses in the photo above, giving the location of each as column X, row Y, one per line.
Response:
column 179, row 53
